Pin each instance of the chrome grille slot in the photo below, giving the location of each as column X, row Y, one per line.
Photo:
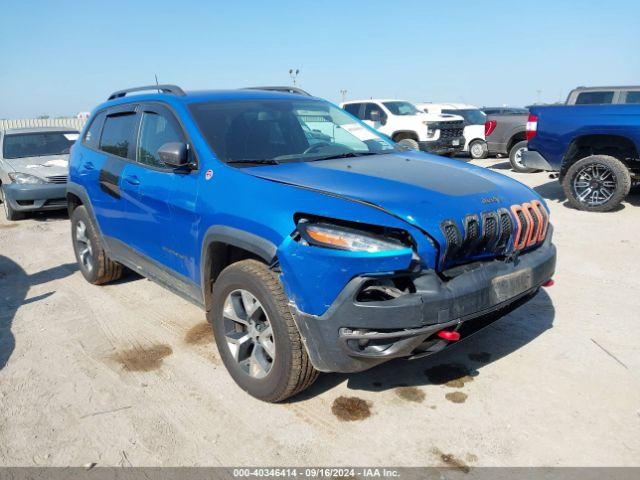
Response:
column 57, row 179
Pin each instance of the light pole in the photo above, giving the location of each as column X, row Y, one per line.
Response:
column 344, row 95
column 293, row 74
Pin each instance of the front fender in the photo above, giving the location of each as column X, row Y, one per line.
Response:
column 236, row 237
column 314, row 276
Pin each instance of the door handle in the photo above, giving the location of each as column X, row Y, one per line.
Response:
column 132, row 179
column 88, row 166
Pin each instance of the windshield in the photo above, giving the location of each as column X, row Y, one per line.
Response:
column 38, row 144
column 401, row 108
column 471, row 116
column 278, row 131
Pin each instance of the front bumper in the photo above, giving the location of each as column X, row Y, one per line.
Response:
column 25, row 198
column 443, row 145
column 353, row 336
column 532, row 159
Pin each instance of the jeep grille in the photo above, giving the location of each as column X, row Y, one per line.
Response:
column 492, row 233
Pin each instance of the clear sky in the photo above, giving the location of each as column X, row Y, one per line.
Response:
column 61, row 57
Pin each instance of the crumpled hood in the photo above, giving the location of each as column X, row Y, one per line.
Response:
column 421, row 189
column 43, row 167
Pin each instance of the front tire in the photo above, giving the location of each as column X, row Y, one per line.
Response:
column 9, row 212
column 409, row 143
column 478, row 150
column 96, row 267
column 597, row 183
column 515, row 158
column 256, row 335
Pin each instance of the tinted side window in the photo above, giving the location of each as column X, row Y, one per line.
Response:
column 118, row 134
column 591, row 98
column 353, row 109
column 372, row 107
column 92, row 136
column 155, row 131
column 632, row 97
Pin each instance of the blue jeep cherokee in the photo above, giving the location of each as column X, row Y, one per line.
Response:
column 312, row 242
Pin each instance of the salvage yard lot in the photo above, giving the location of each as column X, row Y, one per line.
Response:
column 127, row 374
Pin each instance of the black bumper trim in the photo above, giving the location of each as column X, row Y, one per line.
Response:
column 442, row 145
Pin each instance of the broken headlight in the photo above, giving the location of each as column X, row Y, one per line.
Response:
column 345, row 238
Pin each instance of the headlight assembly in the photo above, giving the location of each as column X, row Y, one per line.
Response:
column 343, row 238
column 25, row 179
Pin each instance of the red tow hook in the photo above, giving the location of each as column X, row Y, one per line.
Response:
column 549, row 283
column 449, row 335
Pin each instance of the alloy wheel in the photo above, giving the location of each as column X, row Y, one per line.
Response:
column 594, row 184
column 518, row 157
column 248, row 333
column 476, row 150
column 83, row 245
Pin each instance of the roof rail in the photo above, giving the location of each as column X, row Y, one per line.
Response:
column 173, row 89
column 295, row 90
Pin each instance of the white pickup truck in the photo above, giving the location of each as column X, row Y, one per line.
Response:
column 441, row 134
column 474, row 124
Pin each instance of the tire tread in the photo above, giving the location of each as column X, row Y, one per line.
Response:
column 302, row 374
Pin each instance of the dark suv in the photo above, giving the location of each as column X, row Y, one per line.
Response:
column 329, row 252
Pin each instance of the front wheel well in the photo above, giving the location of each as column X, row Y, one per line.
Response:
column 73, row 202
column 403, row 135
column 613, row 145
column 218, row 256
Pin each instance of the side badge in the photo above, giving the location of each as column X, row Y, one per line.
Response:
column 208, row 174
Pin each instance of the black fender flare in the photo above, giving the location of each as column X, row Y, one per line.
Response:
column 236, row 237
column 80, row 192
column 410, row 132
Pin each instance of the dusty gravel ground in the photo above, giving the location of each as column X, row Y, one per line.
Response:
column 127, row 374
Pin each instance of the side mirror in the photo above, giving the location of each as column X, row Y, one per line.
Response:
column 375, row 116
column 174, row 154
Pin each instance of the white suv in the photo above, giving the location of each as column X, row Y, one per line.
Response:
column 474, row 124
column 406, row 125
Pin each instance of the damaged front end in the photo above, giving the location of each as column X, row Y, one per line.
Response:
column 403, row 314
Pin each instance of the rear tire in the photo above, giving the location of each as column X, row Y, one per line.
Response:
column 95, row 265
column 597, row 183
column 249, row 303
column 515, row 158
column 9, row 212
column 478, row 150
column 409, row 143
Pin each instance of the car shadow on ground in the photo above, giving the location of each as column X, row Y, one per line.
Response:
column 457, row 363
column 50, row 216
column 14, row 287
column 551, row 190
column 498, row 164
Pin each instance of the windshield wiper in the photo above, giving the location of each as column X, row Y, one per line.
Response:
column 258, row 161
column 344, row 155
